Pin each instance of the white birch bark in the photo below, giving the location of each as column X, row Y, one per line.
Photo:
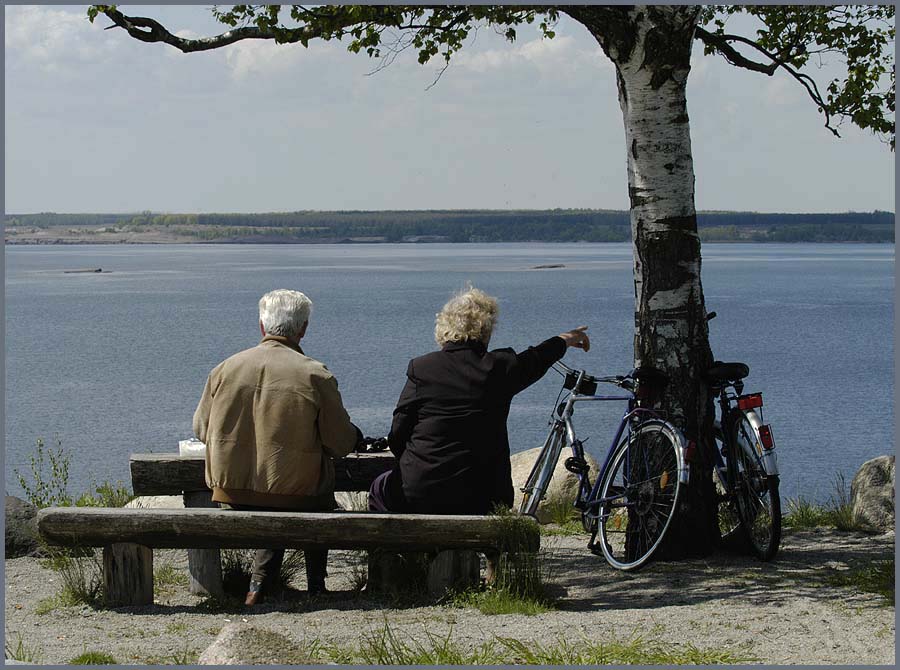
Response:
column 650, row 47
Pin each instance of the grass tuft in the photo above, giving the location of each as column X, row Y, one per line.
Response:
column 836, row 513
column 80, row 573
column 499, row 601
column 877, row 577
column 93, row 658
column 167, row 577
column 635, row 651
column 17, row 650
column 386, row 647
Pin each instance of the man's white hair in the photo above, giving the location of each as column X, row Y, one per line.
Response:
column 283, row 312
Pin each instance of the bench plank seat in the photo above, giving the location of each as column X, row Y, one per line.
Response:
column 214, row 528
column 171, row 474
column 128, row 536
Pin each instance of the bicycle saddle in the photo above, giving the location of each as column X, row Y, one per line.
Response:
column 727, row 372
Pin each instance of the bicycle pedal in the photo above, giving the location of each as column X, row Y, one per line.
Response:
column 577, row 466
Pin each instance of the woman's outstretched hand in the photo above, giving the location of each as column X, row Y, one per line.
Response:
column 577, row 338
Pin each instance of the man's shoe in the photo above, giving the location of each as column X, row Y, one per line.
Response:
column 254, row 595
column 316, row 589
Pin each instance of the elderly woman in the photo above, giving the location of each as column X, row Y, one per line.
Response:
column 449, row 428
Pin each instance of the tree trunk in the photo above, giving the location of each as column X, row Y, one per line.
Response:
column 651, row 49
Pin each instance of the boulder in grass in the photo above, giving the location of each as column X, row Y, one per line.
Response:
column 156, row 502
column 243, row 644
column 563, row 485
column 21, row 528
column 872, row 494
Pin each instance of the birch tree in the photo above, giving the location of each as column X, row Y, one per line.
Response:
column 650, row 48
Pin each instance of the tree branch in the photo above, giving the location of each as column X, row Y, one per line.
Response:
column 722, row 44
column 149, row 30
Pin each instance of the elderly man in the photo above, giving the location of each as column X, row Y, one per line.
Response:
column 272, row 420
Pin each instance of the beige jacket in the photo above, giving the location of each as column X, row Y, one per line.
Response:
column 272, row 420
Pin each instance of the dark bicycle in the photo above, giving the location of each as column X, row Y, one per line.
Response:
column 746, row 469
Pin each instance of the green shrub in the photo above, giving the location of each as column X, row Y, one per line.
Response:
column 48, row 484
column 106, row 495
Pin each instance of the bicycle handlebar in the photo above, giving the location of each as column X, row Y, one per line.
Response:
column 618, row 380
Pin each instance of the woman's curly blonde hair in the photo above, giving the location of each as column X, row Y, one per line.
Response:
column 469, row 315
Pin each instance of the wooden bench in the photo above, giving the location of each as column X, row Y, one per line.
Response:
column 128, row 537
column 171, row 474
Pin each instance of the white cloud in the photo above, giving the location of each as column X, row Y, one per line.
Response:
column 52, row 39
column 250, row 57
column 783, row 91
column 560, row 55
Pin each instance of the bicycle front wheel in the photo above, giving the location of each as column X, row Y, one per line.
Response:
column 638, row 495
column 756, row 493
column 536, row 486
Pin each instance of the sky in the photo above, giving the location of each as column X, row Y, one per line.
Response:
column 96, row 121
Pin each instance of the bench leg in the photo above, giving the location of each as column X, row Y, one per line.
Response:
column 394, row 572
column 127, row 574
column 453, row 570
column 204, row 565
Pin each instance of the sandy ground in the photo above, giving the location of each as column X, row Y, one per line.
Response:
column 777, row 613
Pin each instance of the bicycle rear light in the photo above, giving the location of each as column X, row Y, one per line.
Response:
column 750, row 401
column 765, row 436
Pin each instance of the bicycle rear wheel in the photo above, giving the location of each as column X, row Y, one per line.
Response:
column 729, row 519
column 638, row 495
column 756, row 493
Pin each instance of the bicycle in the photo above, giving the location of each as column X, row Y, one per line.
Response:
column 745, row 466
column 637, row 490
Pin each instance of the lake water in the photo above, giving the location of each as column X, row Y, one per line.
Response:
column 114, row 363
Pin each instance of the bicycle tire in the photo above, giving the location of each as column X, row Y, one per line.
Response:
column 639, row 495
column 531, row 495
column 726, row 510
column 756, row 493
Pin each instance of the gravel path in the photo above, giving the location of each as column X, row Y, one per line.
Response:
column 777, row 613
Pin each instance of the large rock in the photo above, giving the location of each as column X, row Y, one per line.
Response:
column 156, row 502
column 563, row 485
column 872, row 494
column 21, row 528
column 243, row 644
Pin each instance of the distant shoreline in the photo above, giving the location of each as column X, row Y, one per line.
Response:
column 48, row 241
column 361, row 227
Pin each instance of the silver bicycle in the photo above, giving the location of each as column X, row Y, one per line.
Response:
column 628, row 509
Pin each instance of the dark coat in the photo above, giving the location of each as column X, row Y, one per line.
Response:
column 449, row 428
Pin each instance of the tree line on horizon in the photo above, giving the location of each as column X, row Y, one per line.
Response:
column 558, row 225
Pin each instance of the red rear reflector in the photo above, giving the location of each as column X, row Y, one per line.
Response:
column 765, row 436
column 750, row 401
column 690, row 451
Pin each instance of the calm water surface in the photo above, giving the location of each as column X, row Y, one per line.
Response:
column 114, row 363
